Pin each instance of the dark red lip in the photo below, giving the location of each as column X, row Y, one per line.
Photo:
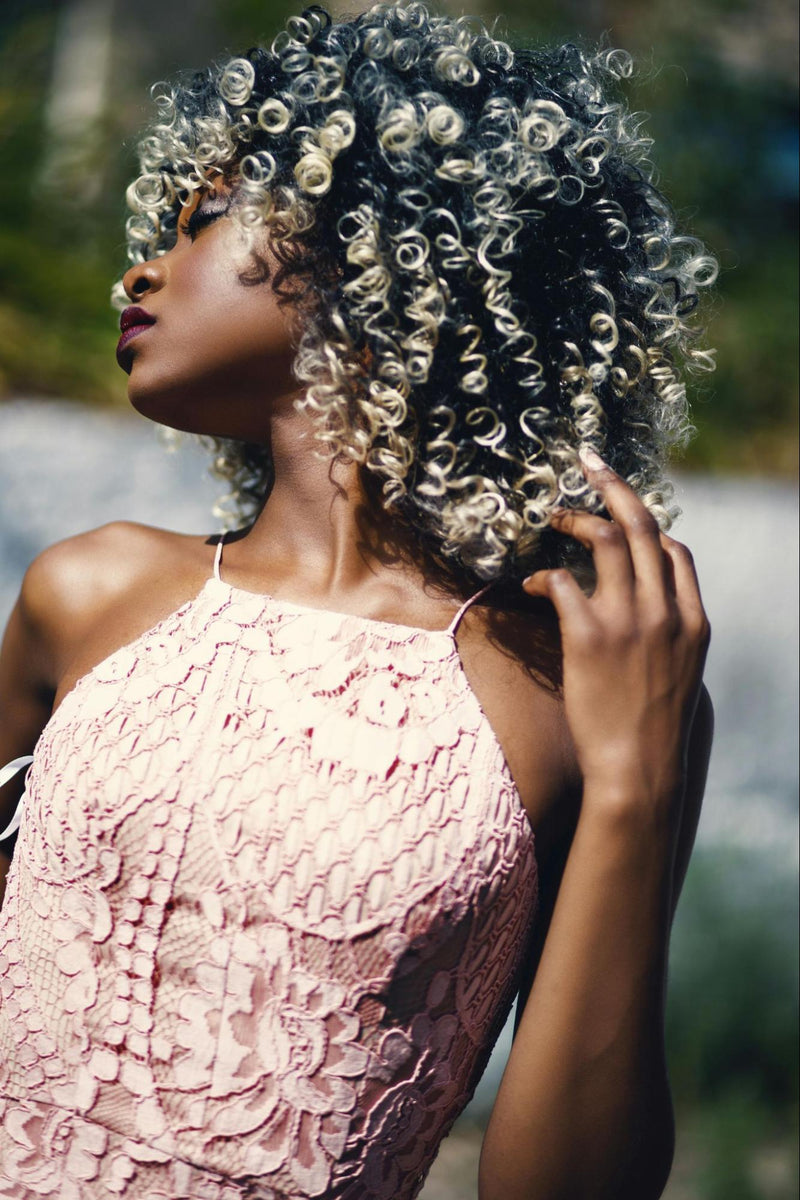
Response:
column 133, row 315
column 132, row 322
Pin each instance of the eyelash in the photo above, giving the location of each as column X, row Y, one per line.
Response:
column 200, row 218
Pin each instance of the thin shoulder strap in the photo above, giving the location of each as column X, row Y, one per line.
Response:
column 218, row 557
column 6, row 773
column 456, row 621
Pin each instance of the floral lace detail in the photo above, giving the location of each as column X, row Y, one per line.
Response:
column 265, row 916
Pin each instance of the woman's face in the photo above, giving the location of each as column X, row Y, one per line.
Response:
column 217, row 357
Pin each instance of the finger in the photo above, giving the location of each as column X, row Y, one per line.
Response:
column 561, row 589
column 608, row 545
column 687, row 585
column 669, row 568
column 640, row 526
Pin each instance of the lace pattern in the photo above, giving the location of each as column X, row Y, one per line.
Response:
column 267, row 907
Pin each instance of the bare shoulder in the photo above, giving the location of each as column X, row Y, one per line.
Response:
column 84, row 594
column 99, row 562
column 81, row 599
column 513, row 662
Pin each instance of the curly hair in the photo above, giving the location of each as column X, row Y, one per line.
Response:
column 491, row 280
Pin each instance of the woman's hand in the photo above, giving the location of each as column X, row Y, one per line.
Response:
column 633, row 652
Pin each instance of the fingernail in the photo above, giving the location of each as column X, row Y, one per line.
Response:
column 591, row 458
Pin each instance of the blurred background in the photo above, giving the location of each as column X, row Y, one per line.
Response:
column 719, row 78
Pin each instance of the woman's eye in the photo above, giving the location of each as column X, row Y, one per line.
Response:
column 202, row 216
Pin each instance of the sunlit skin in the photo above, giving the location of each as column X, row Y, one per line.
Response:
column 218, row 359
column 610, row 767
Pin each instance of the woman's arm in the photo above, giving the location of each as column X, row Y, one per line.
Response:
column 584, row 1108
column 26, row 687
column 514, row 1123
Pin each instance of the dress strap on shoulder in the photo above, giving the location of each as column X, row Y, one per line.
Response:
column 6, row 773
column 218, row 556
column 456, row 621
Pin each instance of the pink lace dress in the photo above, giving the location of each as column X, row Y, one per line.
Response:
column 271, row 891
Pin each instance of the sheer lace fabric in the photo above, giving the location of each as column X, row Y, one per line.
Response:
column 268, row 903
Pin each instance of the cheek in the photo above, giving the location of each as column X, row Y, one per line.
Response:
column 260, row 330
column 241, row 323
column 222, row 348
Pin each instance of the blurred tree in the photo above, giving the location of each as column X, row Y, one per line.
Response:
column 77, row 99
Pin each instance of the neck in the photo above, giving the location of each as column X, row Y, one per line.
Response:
column 319, row 524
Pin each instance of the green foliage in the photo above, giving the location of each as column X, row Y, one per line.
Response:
column 251, row 22
column 732, row 1013
column 732, row 1017
column 730, row 174
column 731, row 1134
column 58, row 254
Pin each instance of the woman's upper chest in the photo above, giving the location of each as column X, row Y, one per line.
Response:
column 345, row 762
column 388, row 681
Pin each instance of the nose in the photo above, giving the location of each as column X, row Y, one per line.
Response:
column 143, row 278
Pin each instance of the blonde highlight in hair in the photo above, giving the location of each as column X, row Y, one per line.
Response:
column 490, row 278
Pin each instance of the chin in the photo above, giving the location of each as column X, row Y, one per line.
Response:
column 170, row 410
column 186, row 411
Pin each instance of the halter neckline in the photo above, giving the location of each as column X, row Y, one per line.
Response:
column 450, row 631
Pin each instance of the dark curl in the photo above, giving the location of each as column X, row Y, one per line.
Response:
column 490, row 278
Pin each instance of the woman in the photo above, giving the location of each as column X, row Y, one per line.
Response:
column 311, row 802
